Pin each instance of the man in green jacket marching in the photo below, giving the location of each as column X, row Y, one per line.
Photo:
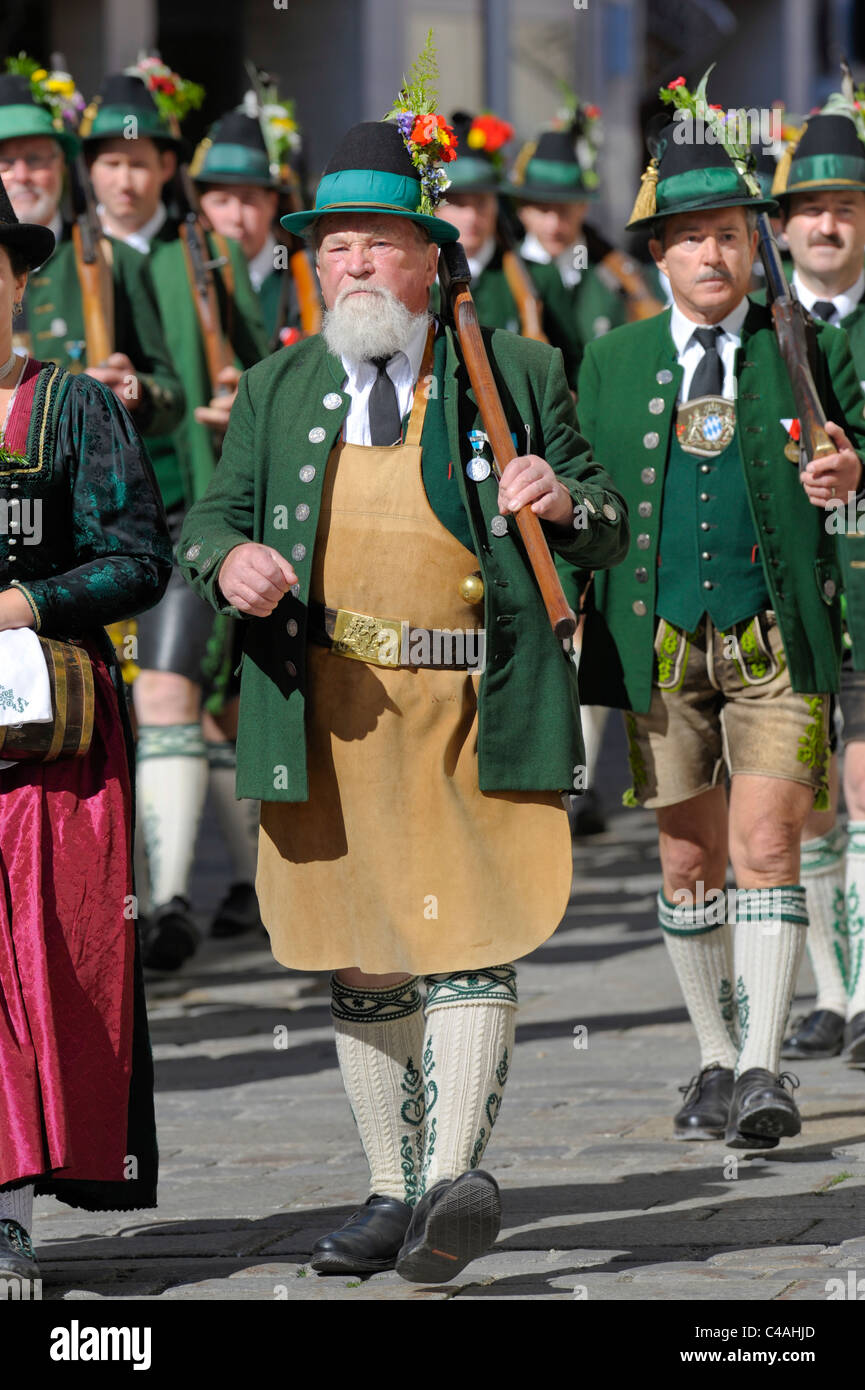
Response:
column 407, row 716
column 820, row 185
column 721, row 634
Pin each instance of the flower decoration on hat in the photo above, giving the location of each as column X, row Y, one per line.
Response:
column 173, row 95
column 724, row 126
column 582, row 120
column 54, row 90
column 276, row 118
column 428, row 138
column 489, row 133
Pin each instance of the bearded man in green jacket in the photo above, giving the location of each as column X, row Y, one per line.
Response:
column 394, row 773
column 721, row 634
column 820, row 185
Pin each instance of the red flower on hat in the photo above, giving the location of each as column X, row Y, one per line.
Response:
column 676, row 82
column 489, row 133
column 593, row 112
column 164, row 84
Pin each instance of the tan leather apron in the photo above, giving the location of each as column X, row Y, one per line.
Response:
column 398, row 861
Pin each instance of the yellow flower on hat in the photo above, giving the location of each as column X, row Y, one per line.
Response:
column 476, row 138
column 38, row 75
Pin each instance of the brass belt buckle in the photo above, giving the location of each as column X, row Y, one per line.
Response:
column 364, row 638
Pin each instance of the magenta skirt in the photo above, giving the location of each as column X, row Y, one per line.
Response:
column 66, row 956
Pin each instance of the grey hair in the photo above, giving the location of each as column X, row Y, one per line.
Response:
column 659, row 227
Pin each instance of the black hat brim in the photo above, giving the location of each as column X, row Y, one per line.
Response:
column 34, row 242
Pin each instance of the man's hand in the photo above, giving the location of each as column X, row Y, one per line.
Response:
column 217, row 412
column 118, row 373
column 15, row 611
column 836, row 475
column 254, row 578
column 530, row 481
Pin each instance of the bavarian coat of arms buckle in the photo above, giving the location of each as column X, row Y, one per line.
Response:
column 365, row 638
column 705, row 425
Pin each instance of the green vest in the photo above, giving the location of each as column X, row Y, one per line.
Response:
column 709, row 538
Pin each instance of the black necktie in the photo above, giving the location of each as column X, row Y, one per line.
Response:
column 823, row 309
column 385, row 422
column 708, row 379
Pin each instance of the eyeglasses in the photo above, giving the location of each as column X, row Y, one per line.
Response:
column 33, row 162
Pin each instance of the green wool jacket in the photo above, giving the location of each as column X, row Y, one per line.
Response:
column 287, row 417
column 851, row 545
column 55, row 322
column 627, row 408
column 185, row 459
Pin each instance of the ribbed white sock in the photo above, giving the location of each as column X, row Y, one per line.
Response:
column 770, row 938
column 379, row 1041
column 856, row 918
column 700, row 945
column 16, row 1204
column 468, row 1051
column 238, row 820
column 823, row 878
column 171, row 781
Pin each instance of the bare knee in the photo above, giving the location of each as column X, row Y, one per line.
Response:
column 163, row 697
column 769, row 853
column 358, row 979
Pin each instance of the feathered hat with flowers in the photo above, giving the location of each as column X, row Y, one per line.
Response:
column 828, row 152
column 146, row 100
column 394, row 166
column 258, row 143
column 699, row 159
column 34, row 101
column 480, row 164
column 559, row 167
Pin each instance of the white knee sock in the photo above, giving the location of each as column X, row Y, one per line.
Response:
column 594, row 720
column 468, row 1051
column 823, row 878
column 16, row 1204
column 379, row 1041
column 770, row 938
column 238, row 820
column 171, row 781
column 699, row 941
column 856, row 918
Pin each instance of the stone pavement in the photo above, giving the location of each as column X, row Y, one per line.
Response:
column 260, row 1155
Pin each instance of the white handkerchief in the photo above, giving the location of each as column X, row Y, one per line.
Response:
column 25, row 692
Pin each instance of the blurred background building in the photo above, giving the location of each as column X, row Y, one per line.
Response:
column 341, row 59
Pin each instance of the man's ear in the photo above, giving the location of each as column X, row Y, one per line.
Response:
column 658, row 254
column 432, row 263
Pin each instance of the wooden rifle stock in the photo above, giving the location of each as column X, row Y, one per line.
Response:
column 308, row 298
column 454, row 276
column 622, row 274
column 529, row 306
column 199, row 270
column 94, row 268
column 788, row 317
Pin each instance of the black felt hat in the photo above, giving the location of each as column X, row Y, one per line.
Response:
column 550, row 172
column 232, row 152
column 22, row 115
column 34, row 242
column 687, row 174
column 123, row 96
column 829, row 154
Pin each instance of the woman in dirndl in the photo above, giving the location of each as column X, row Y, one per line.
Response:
column 83, row 543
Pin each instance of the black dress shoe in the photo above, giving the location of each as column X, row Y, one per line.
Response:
column 170, row 936
column 368, row 1242
column 819, row 1035
column 589, row 816
column 707, row 1105
column 761, row 1111
column 237, row 913
column 854, row 1042
column 453, row 1223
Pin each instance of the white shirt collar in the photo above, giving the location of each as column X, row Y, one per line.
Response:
column 532, row 250
column 844, row 303
column 141, row 238
column 682, row 328
column 261, row 265
column 479, row 263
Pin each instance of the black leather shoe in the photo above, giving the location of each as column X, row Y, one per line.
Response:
column 761, row 1111
column 819, row 1035
column 17, row 1260
column 368, row 1242
column 453, row 1223
column 237, row 913
column 854, row 1042
column 170, row 936
column 589, row 816
column 707, row 1105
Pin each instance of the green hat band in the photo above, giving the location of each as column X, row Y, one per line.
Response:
column 114, row 121
column 554, row 171
column 468, row 168
column 700, row 183
column 234, row 160
column 823, row 168
column 16, row 122
column 347, row 187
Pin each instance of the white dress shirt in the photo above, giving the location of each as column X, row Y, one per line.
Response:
column 402, row 368
column 690, row 352
column 844, row 303
column 479, row 263
column 261, row 264
column 141, row 238
column 532, row 250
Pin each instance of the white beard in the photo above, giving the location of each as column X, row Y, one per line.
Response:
column 32, row 205
column 371, row 324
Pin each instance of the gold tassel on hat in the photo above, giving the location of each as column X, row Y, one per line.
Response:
column 518, row 173
column 646, row 205
column 85, row 125
column 782, row 168
column 197, row 161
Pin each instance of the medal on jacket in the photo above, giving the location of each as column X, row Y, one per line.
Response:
column 478, row 467
column 794, row 432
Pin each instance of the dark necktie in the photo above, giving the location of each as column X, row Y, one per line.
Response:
column 823, row 309
column 385, row 422
column 708, row 379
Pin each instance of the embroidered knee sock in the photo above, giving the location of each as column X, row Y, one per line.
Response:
column 16, row 1204
column 379, row 1041
column 856, row 918
column 238, row 820
column 700, row 945
column 468, row 1050
column 770, row 938
column 823, row 878
column 171, row 780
